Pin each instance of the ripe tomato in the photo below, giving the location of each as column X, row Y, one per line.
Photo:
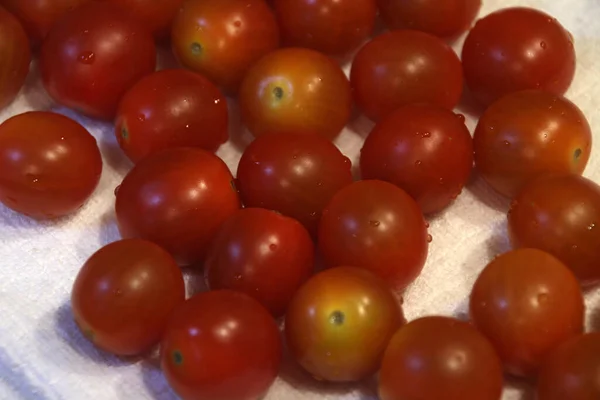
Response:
column 294, row 174
column 15, row 57
column 340, row 322
column 426, row 150
column 49, row 164
column 263, row 254
column 527, row 303
column 171, row 108
column 527, row 134
column 157, row 15
column 222, row 39
column 435, row 358
column 124, row 295
column 177, row 198
column 571, row 372
column 296, row 90
column 329, row 26
column 403, row 67
column 90, row 59
column 559, row 214
column 221, row 345
column 376, row 226
column 516, row 49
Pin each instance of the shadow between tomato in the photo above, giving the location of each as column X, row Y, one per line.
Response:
column 488, row 196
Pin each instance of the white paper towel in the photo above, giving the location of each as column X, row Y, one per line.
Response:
column 43, row 355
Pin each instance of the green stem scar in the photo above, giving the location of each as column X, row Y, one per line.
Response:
column 577, row 154
column 124, row 133
column 278, row 93
column 337, row 318
column 196, row 48
column 177, row 357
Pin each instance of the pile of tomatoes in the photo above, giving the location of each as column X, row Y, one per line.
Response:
column 294, row 199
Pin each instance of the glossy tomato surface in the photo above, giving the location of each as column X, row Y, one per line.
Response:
column 340, row 322
column 222, row 39
column 15, row 57
column 403, row 67
column 49, row 164
column 177, row 198
column 171, row 108
column 221, row 345
column 527, row 303
column 377, row 226
column 425, row 150
column 124, row 295
column 435, row 358
column 93, row 56
column 516, row 49
column 157, row 15
column 528, row 134
column 296, row 90
column 330, row 26
column 294, row 174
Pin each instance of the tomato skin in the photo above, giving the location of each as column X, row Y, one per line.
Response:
column 15, row 57
column 178, row 199
column 384, row 76
column 377, row 226
column 516, row 49
column 49, row 164
column 223, row 39
column 233, row 335
column 425, row 150
column 331, row 26
column 171, row 108
column 157, row 15
column 295, row 90
column 566, row 208
column 436, row 358
column 264, row 254
column 340, row 322
column 83, row 56
column 124, row 294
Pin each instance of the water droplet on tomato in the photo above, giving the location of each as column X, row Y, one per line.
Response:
column 426, row 224
column 117, row 190
column 141, row 118
column 238, row 277
column 542, row 298
column 87, row 57
column 461, row 117
column 506, row 143
column 375, row 223
column 543, row 45
column 418, row 163
column 592, row 226
column 237, row 23
column 429, row 238
column 273, row 246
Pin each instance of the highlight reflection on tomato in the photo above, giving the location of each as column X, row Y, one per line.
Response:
column 157, row 15
column 15, row 57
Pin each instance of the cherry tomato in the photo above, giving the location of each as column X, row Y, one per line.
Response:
column 560, row 214
column 124, row 295
column 15, row 57
column 425, row 150
column 294, row 174
column 171, row 108
column 178, row 199
column 340, row 322
column 403, row 67
column 329, row 26
column 571, row 372
column 517, row 49
column 527, row 134
column 157, row 15
column 263, row 254
column 435, row 358
column 296, row 90
column 222, row 39
column 221, row 345
column 49, row 164
column 377, row 226
column 93, row 56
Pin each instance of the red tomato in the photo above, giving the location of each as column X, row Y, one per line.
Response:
column 15, row 57
column 124, row 295
column 527, row 303
column 178, row 199
column 157, row 15
column 571, row 372
column 425, row 150
column 435, row 358
column 222, row 39
column 527, row 134
column 296, row 90
column 377, row 226
column 559, row 214
column 403, row 67
column 49, row 164
column 93, row 56
column 221, row 345
column 340, row 322
column 329, row 26
column 516, row 49
column 171, row 108
column 263, row 254
column 294, row 174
